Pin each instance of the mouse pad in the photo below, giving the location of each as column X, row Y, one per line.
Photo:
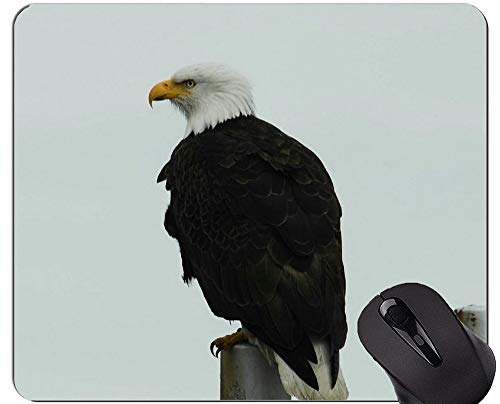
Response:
column 390, row 98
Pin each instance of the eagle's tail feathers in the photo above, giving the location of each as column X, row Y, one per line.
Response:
column 328, row 389
column 304, row 368
column 334, row 368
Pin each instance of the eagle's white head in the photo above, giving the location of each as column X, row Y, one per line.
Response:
column 207, row 94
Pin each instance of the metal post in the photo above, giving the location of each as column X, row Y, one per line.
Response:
column 246, row 375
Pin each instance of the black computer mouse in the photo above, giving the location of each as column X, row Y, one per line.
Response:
column 428, row 354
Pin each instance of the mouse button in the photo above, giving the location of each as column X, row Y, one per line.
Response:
column 403, row 290
column 420, row 300
column 418, row 339
column 366, row 318
column 397, row 315
column 373, row 331
column 410, row 293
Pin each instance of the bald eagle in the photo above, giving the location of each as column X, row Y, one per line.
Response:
column 258, row 225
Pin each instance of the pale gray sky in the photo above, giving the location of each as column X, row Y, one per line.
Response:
column 391, row 98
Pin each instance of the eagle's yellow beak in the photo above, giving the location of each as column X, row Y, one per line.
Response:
column 166, row 90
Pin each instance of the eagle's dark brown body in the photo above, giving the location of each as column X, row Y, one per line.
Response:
column 258, row 225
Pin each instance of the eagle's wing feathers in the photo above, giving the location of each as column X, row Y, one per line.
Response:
column 258, row 223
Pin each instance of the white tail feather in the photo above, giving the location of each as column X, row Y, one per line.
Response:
column 296, row 387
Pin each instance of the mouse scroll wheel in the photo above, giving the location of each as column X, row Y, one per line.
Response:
column 397, row 315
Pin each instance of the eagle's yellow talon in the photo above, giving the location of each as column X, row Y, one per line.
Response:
column 226, row 342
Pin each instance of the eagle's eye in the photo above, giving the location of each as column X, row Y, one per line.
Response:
column 189, row 83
